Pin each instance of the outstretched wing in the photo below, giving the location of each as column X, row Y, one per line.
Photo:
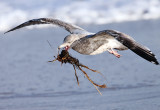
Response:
column 129, row 42
column 73, row 29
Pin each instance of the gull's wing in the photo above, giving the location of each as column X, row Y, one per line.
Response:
column 129, row 42
column 73, row 29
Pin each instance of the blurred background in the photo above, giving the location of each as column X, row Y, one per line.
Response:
column 29, row 82
column 13, row 12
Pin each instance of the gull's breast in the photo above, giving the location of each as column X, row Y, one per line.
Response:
column 111, row 44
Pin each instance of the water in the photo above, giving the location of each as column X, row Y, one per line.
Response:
column 13, row 12
column 29, row 82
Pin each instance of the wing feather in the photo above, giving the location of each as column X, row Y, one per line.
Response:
column 129, row 42
column 73, row 29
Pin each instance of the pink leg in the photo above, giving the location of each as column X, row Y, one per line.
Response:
column 114, row 53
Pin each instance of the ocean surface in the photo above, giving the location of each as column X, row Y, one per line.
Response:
column 29, row 82
column 13, row 12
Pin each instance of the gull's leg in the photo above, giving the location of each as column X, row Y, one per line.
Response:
column 110, row 51
column 114, row 52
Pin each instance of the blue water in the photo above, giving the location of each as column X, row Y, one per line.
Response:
column 29, row 82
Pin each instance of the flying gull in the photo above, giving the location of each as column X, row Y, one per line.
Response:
column 89, row 43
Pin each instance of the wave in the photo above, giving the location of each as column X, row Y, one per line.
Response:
column 14, row 12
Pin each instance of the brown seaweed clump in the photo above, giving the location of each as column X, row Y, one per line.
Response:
column 65, row 57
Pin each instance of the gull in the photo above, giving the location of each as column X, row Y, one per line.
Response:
column 89, row 43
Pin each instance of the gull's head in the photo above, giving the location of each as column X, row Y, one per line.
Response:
column 68, row 41
column 64, row 45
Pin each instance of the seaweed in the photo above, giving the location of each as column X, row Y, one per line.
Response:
column 65, row 57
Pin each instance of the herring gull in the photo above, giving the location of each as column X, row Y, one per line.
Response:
column 89, row 43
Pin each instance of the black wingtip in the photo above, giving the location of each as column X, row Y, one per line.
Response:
column 145, row 53
column 9, row 31
column 6, row 32
column 155, row 62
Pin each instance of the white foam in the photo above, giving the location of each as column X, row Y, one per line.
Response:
column 80, row 12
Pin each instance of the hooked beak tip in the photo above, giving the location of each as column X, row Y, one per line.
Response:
column 59, row 47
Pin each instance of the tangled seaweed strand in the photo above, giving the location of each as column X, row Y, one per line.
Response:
column 64, row 57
